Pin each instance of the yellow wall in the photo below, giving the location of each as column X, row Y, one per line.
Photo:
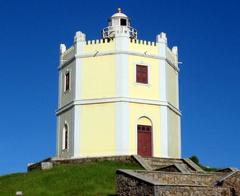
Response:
column 98, row 121
column 172, row 91
column 144, row 91
column 144, row 121
column 101, row 47
column 137, row 47
column 99, row 77
column 174, row 137
column 152, row 112
column 98, row 130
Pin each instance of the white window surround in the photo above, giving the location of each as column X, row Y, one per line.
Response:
column 64, row 130
column 70, row 78
column 135, row 74
column 136, row 131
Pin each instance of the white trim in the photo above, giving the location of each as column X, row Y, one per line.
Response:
column 152, row 133
column 118, row 99
column 177, row 89
column 58, row 137
column 148, row 70
column 77, row 130
column 78, row 72
column 164, row 131
column 163, row 94
column 122, row 128
column 78, row 84
column 179, row 137
column 90, row 54
column 68, row 71
column 59, row 88
column 122, row 43
column 64, row 130
column 122, row 108
column 163, row 80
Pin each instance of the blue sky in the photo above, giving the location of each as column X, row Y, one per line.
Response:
column 206, row 32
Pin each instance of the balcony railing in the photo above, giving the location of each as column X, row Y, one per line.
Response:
column 109, row 32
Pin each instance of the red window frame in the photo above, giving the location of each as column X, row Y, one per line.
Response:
column 142, row 74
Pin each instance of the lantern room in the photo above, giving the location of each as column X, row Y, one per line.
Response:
column 119, row 22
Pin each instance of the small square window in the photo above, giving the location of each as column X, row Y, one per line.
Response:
column 123, row 22
column 67, row 81
column 142, row 74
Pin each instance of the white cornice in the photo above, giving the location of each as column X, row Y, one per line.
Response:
column 118, row 99
column 87, row 55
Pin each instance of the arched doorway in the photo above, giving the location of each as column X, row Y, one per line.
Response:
column 144, row 137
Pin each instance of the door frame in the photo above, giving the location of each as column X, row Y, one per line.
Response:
column 151, row 132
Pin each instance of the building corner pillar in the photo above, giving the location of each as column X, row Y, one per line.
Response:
column 79, row 42
column 161, row 41
column 122, row 108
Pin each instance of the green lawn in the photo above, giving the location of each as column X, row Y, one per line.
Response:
column 84, row 179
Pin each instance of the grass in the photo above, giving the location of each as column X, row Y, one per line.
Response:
column 63, row 180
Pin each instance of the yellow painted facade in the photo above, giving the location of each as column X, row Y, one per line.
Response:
column 152, row 112
column 105, row 103
column 95, row 85
column 98, row 123
column 144, row 91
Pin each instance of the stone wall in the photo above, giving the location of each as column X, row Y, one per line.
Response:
column 179, row 178
column 233, row 182
column 145, row 183
column 58, row 161
column 126, row 185
column 37, row 166
column 189, row 191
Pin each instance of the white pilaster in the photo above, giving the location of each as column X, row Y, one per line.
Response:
column 179, row 137
column 122, row 44
column 77, row 131
column 175, row 52
column 162, row 46
column 164, row 131
column 122, row 110
column 58, row 137
column 122, row 128
column 79, row 42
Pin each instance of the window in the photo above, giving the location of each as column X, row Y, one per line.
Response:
column 67, row 81
column 123, row 22
column 66, row 140
column 146, row 128
column 142, row 74
column 65, row 137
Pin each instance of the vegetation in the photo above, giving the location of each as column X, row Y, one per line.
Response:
column 83, row 179
column 208, row 169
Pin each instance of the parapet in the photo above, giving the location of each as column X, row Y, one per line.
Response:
column 162, row 37
column 79, row 36
column 97, row 41
column 143, row 42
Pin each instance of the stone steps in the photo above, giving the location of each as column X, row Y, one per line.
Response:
column 166, row 164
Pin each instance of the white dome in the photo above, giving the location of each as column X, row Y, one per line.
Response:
column 119, row 14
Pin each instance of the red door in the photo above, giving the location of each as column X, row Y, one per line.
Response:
column 144, row 140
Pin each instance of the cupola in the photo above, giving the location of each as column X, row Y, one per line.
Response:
column 119, row 23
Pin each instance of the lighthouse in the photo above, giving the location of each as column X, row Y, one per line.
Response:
column 118, row 95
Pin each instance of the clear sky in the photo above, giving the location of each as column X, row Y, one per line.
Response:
column 206, row 32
